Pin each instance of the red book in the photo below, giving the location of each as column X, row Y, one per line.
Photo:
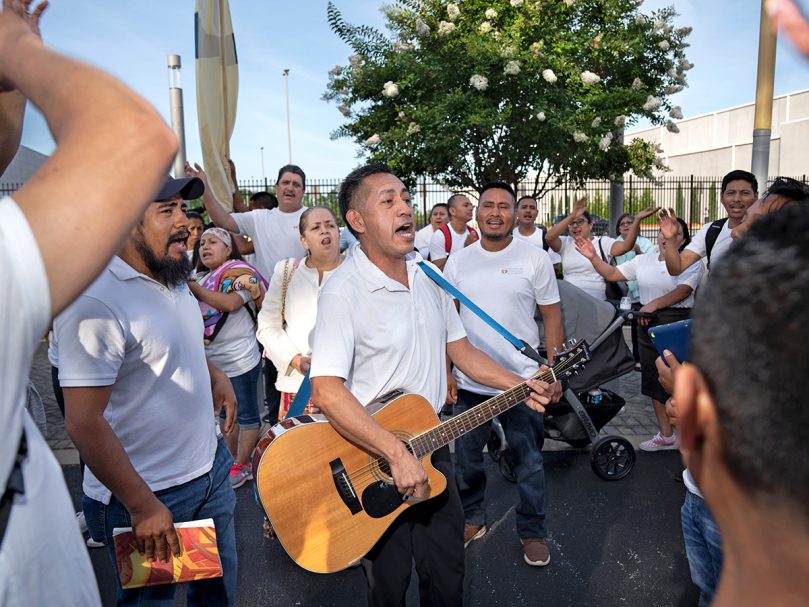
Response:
column 199, row 559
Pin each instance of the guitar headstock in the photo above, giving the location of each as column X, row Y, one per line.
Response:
column 574, row 356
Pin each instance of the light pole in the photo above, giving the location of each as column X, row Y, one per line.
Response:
column 176, row 110
column 263, row 178
column 762, row 120
column 289, row 128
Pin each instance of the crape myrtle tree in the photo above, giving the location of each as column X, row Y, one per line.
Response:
column 478, row 90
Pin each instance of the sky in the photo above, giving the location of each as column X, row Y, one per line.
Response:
column 131, row 40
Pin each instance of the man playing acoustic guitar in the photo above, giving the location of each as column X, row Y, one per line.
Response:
column 383, row 324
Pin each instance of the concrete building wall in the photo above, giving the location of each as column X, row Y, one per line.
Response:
column 714, row 144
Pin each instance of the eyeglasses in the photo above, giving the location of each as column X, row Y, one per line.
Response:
column 625, row 223
column 578, row 222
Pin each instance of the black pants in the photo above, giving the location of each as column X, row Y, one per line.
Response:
column 431, row 534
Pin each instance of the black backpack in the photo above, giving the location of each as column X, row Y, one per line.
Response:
column 711, row 236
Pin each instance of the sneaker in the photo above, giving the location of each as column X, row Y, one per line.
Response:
column 82, row 522
column 472, row 532
column 659, row 443
column 91, row 543
column 240, row 474
column 535, row 552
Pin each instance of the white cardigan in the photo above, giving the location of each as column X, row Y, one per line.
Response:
column 300, row 312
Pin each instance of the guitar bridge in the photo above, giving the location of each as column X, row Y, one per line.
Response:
column 344, row 486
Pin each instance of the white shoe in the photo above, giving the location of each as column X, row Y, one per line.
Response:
column 82, row 521
column 91, row 543
column 660, row 443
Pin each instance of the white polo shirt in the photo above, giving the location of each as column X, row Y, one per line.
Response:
column 507, row 285
column 720, row 247
column 144, row 339
column 275, row 235
column 379, row 335
column 42, row 530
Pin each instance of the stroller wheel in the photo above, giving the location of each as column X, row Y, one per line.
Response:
column 612, row 458
column 507, row 466
column 493, row 446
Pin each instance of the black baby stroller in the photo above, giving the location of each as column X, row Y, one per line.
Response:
column 585, row 407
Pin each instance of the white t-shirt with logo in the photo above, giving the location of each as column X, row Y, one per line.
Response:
column 438, row 243
column 655, row 281
column 507, row 285
column 579, row 271
column 720, row 247
column 275, row 236
column 536, row 240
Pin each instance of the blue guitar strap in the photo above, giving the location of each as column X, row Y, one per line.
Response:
column 519, row 344
column 301, row 398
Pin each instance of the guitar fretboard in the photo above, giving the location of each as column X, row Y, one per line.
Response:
column 462, row 423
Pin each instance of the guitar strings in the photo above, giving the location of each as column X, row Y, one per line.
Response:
column 377, row 462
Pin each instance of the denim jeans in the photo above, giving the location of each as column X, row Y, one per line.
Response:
column 245, row 387
column 524, row 434
column 207, row 496
column 703, row 546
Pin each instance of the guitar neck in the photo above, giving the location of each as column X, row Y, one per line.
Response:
column 467, row 421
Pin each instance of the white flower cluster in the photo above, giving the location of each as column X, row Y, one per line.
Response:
column 401, row 47
column 684, row 31
column 485, row 27
column 620, row 121
column 335, row 71
column 596, row 122
column 373, row 139
column 389, row 89
column 569, row 2
column 355, row 60
column 671, row 127
column 516, row 3
column 652, row 103
column 413, row 128
column 579, row 137
column 445, row 27
column 508, row 52
column 588, row 77
column 536, row 48
column 605, row 142
column 659, row 24
column 673, row 88
column 401, row 115
column 664, row 44
column 640, row 19
column 541, row 116
column 453, row 12
column 684, row 65
column 479, row 82
column 676, row 112
column 512, row 68
column 636, row 84
column 344, row 110
column 422, row 29
column 549, row 76
column 490, row 14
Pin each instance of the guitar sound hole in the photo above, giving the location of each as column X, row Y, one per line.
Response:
column 381, row 467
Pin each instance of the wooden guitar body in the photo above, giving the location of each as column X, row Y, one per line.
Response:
column 328, row 500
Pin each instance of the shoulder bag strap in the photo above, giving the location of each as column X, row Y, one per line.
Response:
column 712, row 235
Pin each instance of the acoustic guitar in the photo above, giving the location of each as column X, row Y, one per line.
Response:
column 330, row 501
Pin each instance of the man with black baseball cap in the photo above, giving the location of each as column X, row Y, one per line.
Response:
column 140, row 399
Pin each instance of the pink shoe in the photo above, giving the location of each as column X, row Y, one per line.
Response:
column 659, row 443
column 240, row 474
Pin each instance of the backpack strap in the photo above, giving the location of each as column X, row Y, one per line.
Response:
column 712, row 235
column 447, row 238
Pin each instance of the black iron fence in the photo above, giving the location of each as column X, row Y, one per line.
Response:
column 695, row 199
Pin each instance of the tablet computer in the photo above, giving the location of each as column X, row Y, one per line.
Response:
column 673, row 337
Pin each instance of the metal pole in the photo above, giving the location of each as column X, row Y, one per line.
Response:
column 224, row 85
column 762, row 123
column 263, row 177
column 289, row 128
column 176, row 110
column 616, row 193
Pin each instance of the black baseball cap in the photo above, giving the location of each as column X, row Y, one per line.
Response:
column 189, row 188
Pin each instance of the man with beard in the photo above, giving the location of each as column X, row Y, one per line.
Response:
column 389, row 326
column 509, row 278
column 140, row 400
column 739, row 191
